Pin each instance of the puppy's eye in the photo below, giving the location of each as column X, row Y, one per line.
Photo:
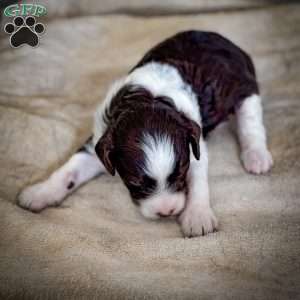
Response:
column 145, row 181
column 141, row 188
column 134, row 183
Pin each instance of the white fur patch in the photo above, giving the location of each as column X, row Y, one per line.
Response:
column 165, row 80
column 80, row 168
column 198, row 218
column 159, row 79
column 251, row 129
column 159, row 157
column 252, row 136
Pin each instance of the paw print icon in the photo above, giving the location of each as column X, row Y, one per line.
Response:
column 24, row 31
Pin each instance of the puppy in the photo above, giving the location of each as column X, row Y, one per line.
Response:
column 152, row 125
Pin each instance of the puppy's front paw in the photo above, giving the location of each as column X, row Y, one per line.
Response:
column 257, row 160
column 198, row 221
column 35, row 197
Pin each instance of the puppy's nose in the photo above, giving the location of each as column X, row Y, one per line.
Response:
column 164, row 214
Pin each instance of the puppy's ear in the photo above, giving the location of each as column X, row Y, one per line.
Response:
column 194, row 132
column 105, row 151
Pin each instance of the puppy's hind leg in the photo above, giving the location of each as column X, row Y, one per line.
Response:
column 80, row 168
column 255, row 155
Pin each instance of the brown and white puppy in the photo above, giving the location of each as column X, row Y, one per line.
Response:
column 150, row 129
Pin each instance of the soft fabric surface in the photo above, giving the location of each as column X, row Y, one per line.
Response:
column 96, row 245
column 57, row 8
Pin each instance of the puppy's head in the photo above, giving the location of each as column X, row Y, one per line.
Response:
column 150, row 150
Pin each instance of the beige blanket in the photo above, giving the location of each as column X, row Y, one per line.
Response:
column 96, row 245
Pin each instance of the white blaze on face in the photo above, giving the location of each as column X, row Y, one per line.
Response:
column 159, row 158
column 159, row 164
